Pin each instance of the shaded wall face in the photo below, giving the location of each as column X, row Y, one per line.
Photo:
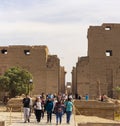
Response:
column 53, row 74
column 82, row 74
column 74, row 82
column 62, row 80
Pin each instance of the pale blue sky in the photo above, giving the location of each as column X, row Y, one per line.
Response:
column 60, row 24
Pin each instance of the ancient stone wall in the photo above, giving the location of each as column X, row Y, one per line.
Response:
column 44, row 67
column 74, row 84
column 99, row 72
column 2, row 123
column 82, row 71
column 62, row 80
column 96, row 108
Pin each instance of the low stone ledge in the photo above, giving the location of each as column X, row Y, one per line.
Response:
column 96, row 108
column 2, row 123
column 14, row 105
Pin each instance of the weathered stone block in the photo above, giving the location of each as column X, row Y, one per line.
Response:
column 2, row 123
column 96, row 108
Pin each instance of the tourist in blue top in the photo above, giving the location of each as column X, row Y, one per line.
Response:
column 49, row 108
column 69, row 108
column 87, row 97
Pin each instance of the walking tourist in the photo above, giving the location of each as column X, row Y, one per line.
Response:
column 69, row 108
column 87, row 97
column 58, row 110
column 49, row 108
column 26, row 105
column 43, row 107
column 38, row 109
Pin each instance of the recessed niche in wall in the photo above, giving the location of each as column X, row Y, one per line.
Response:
column 4, row 51
column 27, row 52
column 108, row 53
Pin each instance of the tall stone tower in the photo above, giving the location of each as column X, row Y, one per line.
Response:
column 99, row 72
column 45, row 68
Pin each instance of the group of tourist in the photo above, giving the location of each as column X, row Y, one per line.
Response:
column 51, row 104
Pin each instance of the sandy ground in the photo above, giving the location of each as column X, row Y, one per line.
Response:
column 16, row 119
column 93, row 119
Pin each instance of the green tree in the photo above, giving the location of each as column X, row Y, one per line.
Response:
column 16, row 81
column 117, row 90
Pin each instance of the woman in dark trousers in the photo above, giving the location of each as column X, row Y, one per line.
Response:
column 43, row 107
column 38, row 109
column 49, row 108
